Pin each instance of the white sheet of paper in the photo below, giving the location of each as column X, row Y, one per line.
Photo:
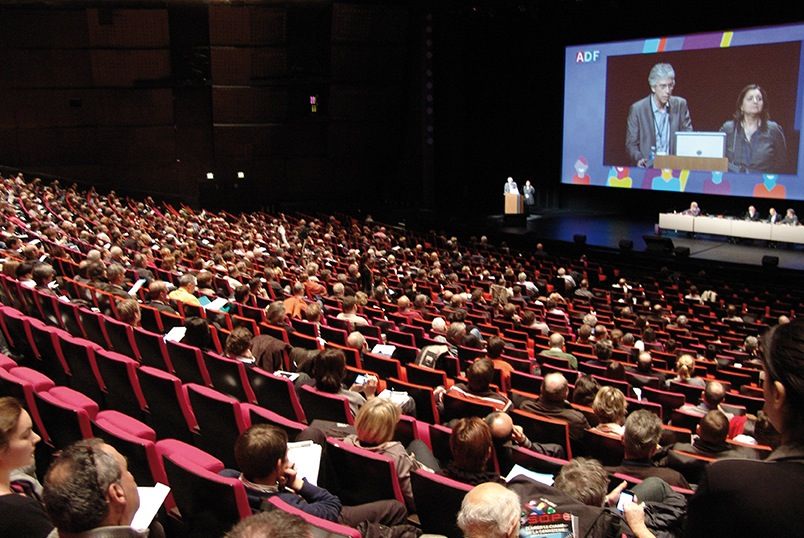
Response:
column 384, row 349
column 151, row 498
column 306, row 456
column 175, row 334
column 217, row 304
column 136, row 287
column 517, row 470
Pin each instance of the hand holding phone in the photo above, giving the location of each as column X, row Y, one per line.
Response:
column 626, row 497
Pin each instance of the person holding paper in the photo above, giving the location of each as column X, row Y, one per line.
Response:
column 653, row 121
column 89, row 491
column 261, row 453
column 754, row 143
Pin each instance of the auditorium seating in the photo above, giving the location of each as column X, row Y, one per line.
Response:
column 112, row 366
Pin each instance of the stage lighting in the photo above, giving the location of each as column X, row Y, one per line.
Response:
column 210, row 175
column 241, row 175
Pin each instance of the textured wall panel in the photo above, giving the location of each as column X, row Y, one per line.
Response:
column 360, row 63
column 258, row 141
column 363, row 103
column 125, row 67
column 29, row 68
column 134, row 106
column 58, row 146
column 231, row 66
column 249, row 105
column 229, row 25
column 43, row 28
column 137, row 145
column 368, row 23
column 128, row 28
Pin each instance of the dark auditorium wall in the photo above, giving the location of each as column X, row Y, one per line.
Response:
column 150, row 96
column 424, row 106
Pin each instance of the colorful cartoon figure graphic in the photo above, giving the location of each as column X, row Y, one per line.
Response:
column 768, row 188
column 717, row 184
column 668, row 182
column 580, row 177
column 619, row 176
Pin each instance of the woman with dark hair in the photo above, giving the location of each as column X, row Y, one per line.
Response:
column 197, row 333
column 329, row 372
column 754, row 143
column 762, row 498
column 21, row 513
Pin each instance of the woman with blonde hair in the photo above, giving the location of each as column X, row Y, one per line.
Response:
column 685, row 368
column 610, row 406
column 375, row 425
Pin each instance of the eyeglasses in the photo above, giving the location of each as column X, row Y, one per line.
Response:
column 666, row 86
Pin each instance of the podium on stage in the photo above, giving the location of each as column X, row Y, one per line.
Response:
column 514, row 204
column 675, row 162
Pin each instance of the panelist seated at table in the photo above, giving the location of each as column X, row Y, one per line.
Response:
column 693, row 211
column 773, row 216
column 752, row 214
column 790, row 218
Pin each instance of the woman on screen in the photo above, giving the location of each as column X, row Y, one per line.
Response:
column 754, row 143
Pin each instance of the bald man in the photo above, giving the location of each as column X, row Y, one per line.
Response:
column 506, row 435
column 557, row 351
column 553, row 403
column 489, row 511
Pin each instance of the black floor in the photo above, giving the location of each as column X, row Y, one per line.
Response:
column 606, row 230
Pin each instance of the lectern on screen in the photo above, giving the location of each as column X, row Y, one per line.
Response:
column 614, row 136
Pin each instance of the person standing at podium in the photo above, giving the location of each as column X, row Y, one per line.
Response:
column 510, row 187
column 653, row 121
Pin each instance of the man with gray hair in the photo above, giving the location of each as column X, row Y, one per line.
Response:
column 489, row 511
column 653, row 121
column 643, row 430
column 184, row 293
column 89, row 491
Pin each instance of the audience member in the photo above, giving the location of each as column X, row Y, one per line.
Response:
column 273, row 524
column 490, row 511
column 553, row 403
column 21, row 512
column 732, row 491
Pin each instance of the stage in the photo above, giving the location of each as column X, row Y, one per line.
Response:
column 605, row 230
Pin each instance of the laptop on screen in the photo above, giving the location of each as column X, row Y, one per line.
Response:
column 700, row 144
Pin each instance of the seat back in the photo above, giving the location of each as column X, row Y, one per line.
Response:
column 544, row 429
column 303, row 341
column 459, row 406
column 51, row 362
column 385, row 367
column 261, row 415
column 122, row 338
column 152, row 350
column 324, row 406
column 438, row 501
column 322, row 528
column 689, row 464
column 119, row 374
column 80, row 357
column 209, row 503
column 143, row 461
column 66, row 415
column 220, row 422
column 535, row 461
column 228, row 376
column 94, row 327
column 17, row 332
column 362, row 476
column 605, row 447
column 426, row 408
column 276, row 393
column 188, row 364
column 668, row 400
column 169, row 411
column 429, row 377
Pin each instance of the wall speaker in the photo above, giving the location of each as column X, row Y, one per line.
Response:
column 770, row 261
column 682, row 252
column 580, row 239
column 658, row 245
column 626, row 245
